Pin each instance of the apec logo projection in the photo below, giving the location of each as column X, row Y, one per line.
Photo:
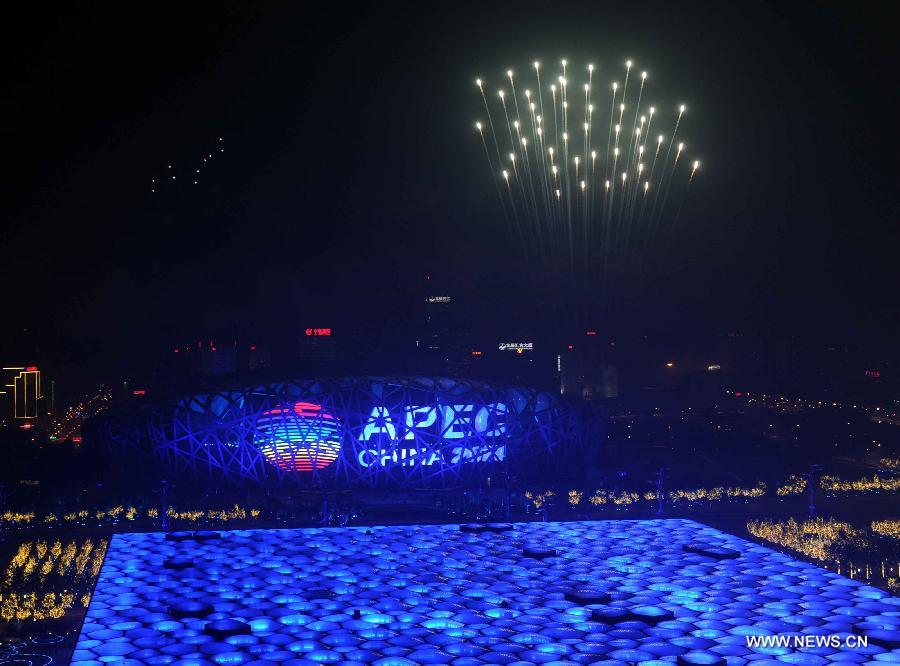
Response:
column 433, row 435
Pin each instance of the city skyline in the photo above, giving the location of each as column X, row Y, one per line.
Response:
column 467, row 333
column 331, row 183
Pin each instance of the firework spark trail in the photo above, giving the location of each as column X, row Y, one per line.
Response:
column 512, row 142
column 568, row 202
column 629, row 149
column 487, row 154
column 642, row 151
column 522, row 146
column 514, row 228
column 555, row 123
column 545, row 166
column 487, row 109
column 650, row 197
column 615, row 164
column 512, row 202
column 553, row 153
column 665, row 200
column 537, row 69
column 612, row 178
column 551, row 183
column 537, row 134
column 606, row 185
column 659, row 143
column 587, row 106
column 636, row 175
column 512, row 186
column 515, row 146
column 611, row 241
column 687, row 189
column 553, row 212
column 636, row 164
column 621, row 230
column 662, row 208
column 616, row 240
column 632, row 147
column 587, row 196
column 518, row 226
column 662, row 175
column 512, row 87
column 624, row 90
column 612, row 112
column 564, row 94
column 637, row 172
column 649, row 128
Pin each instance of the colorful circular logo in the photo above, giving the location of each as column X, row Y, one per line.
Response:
column 299, row 438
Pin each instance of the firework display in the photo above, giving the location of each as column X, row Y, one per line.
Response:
column 191, row 172
column 585, row 172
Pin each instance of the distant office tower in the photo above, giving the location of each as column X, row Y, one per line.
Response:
column 318, row 346
column 211, row 358
column 585, row 371
column 23, row 385
column 443, row 343
column 218, row 360
column 439, row 322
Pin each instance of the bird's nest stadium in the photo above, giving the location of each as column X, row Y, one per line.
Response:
column 348, row 432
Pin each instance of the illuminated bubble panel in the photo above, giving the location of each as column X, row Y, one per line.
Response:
column 614, row 592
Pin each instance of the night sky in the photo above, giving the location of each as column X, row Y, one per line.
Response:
column 351, row 170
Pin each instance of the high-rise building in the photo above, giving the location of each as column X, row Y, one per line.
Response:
column 443, row 344
column 22, row 388
column 211, row 358
column 318, row 347
column 439, row 324
column 585, row 370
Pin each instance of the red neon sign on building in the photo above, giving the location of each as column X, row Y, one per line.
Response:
column 315, row 332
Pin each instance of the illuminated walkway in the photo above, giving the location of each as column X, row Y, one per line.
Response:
column 661, row 591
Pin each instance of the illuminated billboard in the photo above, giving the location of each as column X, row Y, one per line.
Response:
column 517, row 347
column 350, row 431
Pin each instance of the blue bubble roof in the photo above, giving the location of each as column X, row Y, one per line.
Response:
column 610, row 592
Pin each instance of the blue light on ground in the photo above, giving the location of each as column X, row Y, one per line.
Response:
column 616, row 592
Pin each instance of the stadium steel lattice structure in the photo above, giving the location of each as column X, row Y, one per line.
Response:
column 346, row 432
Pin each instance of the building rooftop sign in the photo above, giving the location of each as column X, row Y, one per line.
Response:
column 516, row 346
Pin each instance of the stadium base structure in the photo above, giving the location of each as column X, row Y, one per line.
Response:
column 350, row 432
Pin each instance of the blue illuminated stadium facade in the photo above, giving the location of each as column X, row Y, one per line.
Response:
column 361, row 431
